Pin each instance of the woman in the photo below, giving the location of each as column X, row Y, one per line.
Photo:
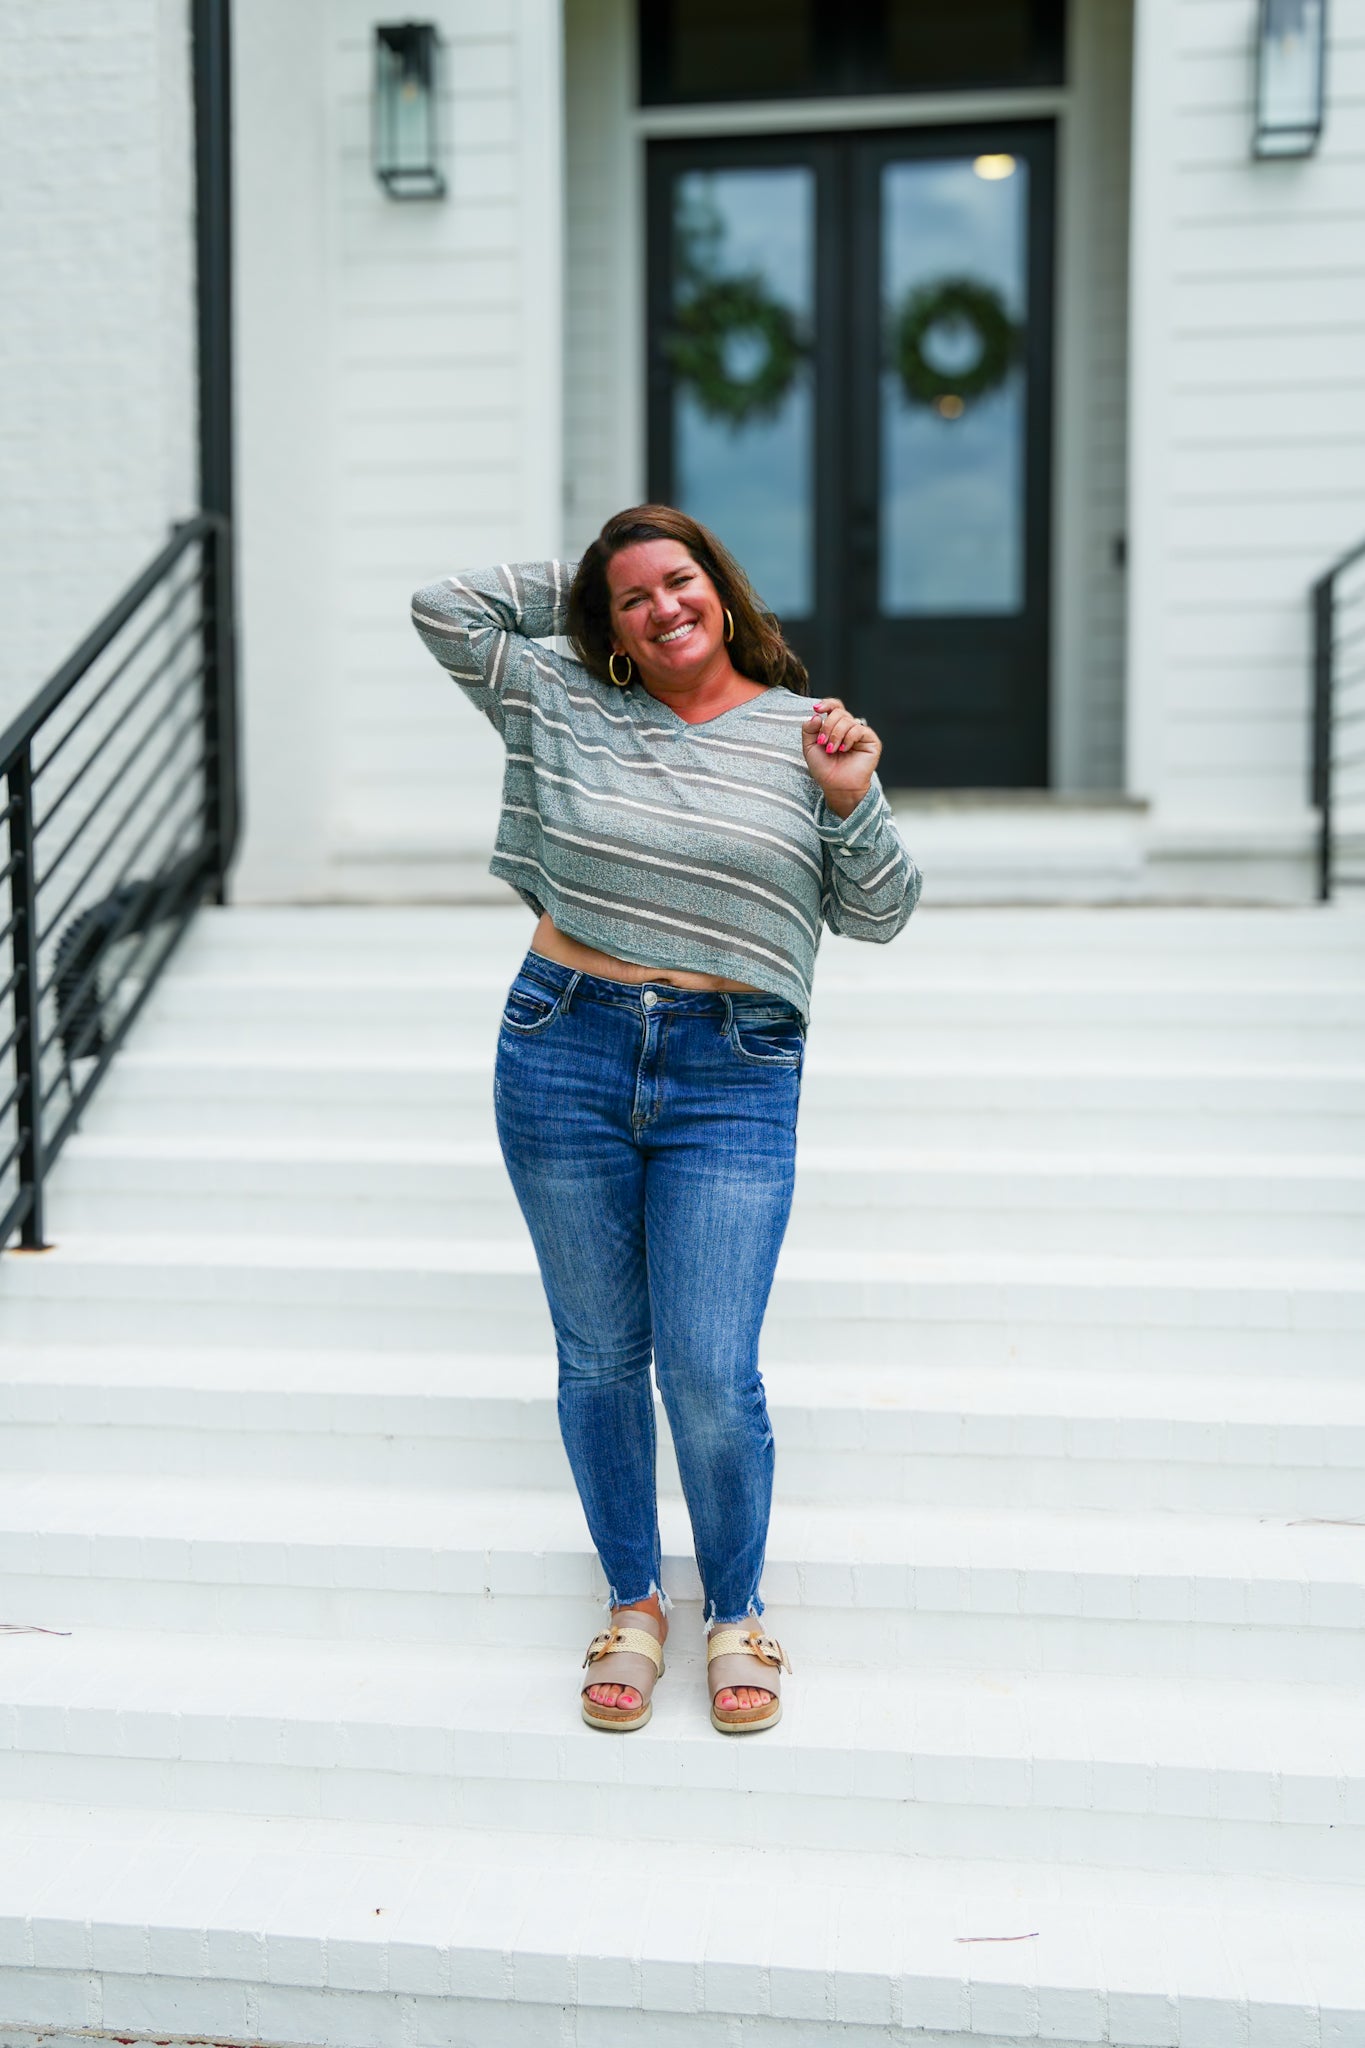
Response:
column 681, row 817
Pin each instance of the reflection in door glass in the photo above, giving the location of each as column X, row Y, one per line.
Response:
column 739, row 347
column 954, row 255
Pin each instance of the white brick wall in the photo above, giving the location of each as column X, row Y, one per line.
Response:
column 97, row 369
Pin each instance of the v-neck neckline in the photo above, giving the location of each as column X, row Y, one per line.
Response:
column 700, row 724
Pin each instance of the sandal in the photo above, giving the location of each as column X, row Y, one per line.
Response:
column 738, row 1656
column 626, row 1656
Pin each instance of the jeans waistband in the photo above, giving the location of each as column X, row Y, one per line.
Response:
column 629, row 995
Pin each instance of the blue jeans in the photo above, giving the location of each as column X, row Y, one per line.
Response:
column 650, row 1134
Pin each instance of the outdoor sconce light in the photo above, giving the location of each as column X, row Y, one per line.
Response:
column 1289, row 77
column 405, row 110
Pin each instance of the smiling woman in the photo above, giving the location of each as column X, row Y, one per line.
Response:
column 654, row 575
column 683, row 819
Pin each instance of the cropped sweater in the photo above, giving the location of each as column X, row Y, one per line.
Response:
column 704, row 847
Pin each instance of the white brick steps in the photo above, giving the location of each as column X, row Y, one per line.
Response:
column 913, row 1014
column 908, row 1586
column 377, row 1936
column 1107, row 1202
column 1263, row 945
column 1082, row 1103
column 987, row 1307
column 1071, row 1492
column 920, row 1764
column 1011, row 1437
column 1256, row 932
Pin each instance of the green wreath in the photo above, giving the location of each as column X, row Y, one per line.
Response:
column 716, row 313
column 957, row 301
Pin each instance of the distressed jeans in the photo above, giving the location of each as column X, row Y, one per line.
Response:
column 650, row 1135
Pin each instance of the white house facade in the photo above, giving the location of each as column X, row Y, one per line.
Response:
column 1074, row 599
column 1032, row 399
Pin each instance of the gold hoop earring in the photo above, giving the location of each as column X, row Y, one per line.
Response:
column 620, row 681
column 729, row 625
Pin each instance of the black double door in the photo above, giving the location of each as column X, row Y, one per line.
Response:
column 850, row 343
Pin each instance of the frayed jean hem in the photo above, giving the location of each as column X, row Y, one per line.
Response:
column 656, row 1592
column 754, row 1612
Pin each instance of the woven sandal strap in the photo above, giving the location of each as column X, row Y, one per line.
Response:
column 746, row 1642
column 636, row 1640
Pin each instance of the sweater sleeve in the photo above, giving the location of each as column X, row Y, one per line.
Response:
column 871, row 885
column 482, row 625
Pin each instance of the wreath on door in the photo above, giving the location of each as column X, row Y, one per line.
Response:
column 711, row 327
column 954, row 303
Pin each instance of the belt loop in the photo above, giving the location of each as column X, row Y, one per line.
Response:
column 728, row 1024
column 568, row 995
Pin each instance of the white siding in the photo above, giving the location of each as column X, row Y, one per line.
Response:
column 1248, row 411
column 97, row 357
column 427, row 364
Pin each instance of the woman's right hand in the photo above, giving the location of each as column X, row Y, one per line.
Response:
column 841, row 754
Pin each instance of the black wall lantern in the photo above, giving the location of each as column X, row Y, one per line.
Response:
column 1290, row 53
column 405, row 58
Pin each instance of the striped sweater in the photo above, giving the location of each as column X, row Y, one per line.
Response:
column 703, row 847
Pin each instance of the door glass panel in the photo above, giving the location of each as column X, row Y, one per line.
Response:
column 743, row 381
column 953, row 301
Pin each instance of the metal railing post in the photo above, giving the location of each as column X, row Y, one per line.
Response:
column 28, row 1036
column 1324, row 593
column 220, row 737
column 211, row 45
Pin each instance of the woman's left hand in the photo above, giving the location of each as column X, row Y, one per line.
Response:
column 841, row 754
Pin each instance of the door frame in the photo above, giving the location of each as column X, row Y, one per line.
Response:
column 618, row 131
column 845, row 517
column 961, row 638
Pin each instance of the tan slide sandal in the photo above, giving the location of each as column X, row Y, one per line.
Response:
column 744, row 1656
column 624, row 1656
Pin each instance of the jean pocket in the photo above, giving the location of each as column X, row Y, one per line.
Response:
column 768, row 1042
column 529, row 1007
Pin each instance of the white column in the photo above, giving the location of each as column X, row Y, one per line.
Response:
column 1149, row 322
column 288, row 593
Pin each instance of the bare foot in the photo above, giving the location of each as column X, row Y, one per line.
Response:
column 746, row 1696
column 730, row 1697
column 625, row 1696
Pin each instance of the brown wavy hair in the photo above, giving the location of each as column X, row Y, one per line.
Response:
column 758, row 649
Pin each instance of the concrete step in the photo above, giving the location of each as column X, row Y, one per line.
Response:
column 986, row 1308
column 1259, row 939
column 1087, row 1439
column 1198, row 1775
column 128, row 1925
column 1141, row 1205
column 432, row 1006
column 909, row 1015
column 1080, row 1104
column 892, row 1586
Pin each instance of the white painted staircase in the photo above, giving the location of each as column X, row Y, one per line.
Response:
column 1067, row 1365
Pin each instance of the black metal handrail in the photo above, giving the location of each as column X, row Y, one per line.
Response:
column 133, row 746
column 1339, row 722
